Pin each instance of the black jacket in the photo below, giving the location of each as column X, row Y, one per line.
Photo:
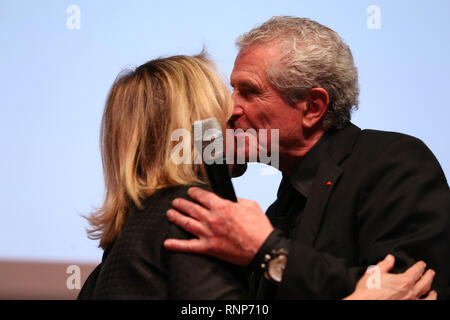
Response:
column 138, row 266
column 374, row 193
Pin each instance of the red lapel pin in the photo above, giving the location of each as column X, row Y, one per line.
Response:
column 328, row 183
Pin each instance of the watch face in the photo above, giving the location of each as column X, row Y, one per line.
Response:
column 276, row 268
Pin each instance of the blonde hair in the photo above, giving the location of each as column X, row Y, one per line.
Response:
column 143, row 108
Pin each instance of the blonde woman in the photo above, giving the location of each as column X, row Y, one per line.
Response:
column 143, row 108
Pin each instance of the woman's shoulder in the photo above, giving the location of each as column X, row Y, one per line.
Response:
column 150, row 220
column 164, row 197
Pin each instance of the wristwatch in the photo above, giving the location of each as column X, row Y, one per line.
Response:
column 274, row 264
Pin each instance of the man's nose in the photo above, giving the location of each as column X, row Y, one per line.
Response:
column 237, row 112
column 237, row 107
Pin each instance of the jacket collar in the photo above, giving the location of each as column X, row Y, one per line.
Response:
column 342, row 142
column 334, row 145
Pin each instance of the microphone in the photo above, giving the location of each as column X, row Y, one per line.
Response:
column 209, row 142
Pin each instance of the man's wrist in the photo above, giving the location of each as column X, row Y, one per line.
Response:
column 273, row 246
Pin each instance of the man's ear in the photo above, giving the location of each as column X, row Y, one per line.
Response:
column 315, row 105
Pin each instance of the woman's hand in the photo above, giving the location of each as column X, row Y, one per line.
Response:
column 379, row 284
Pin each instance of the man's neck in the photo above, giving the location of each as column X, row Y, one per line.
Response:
column 290, row 157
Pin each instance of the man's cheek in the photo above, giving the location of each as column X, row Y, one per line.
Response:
column 247, row 144
column 241, row 155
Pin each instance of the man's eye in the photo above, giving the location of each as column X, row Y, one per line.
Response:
column 249, row 92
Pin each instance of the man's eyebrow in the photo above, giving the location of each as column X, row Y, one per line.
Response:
column 245, row 85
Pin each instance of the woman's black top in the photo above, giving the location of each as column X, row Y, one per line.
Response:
column 137, row 266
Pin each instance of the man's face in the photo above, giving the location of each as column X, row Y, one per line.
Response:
column 257, row 104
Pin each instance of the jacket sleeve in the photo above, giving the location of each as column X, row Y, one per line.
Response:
column 403, row 209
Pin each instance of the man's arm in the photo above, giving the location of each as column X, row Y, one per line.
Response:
column 404, row 209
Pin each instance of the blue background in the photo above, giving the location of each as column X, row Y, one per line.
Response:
column 54, row 83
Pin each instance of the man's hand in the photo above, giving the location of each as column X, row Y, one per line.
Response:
column 230, row 231
column 409, row 285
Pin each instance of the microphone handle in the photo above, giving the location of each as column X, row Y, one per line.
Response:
column 220, row 180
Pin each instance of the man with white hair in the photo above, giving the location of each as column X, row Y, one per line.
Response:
column 348, row 196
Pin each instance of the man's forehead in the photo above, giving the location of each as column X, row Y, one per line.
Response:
column 260, row 52
column 254, row 59
column 249, row 79
column 251, row 75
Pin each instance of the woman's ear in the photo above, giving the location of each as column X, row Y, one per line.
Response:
column 316, row 105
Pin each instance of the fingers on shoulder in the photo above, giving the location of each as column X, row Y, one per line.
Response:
column 191, row 245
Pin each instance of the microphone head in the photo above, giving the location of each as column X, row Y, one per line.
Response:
column 208, row 140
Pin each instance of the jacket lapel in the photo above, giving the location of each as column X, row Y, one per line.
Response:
column 324, row 183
